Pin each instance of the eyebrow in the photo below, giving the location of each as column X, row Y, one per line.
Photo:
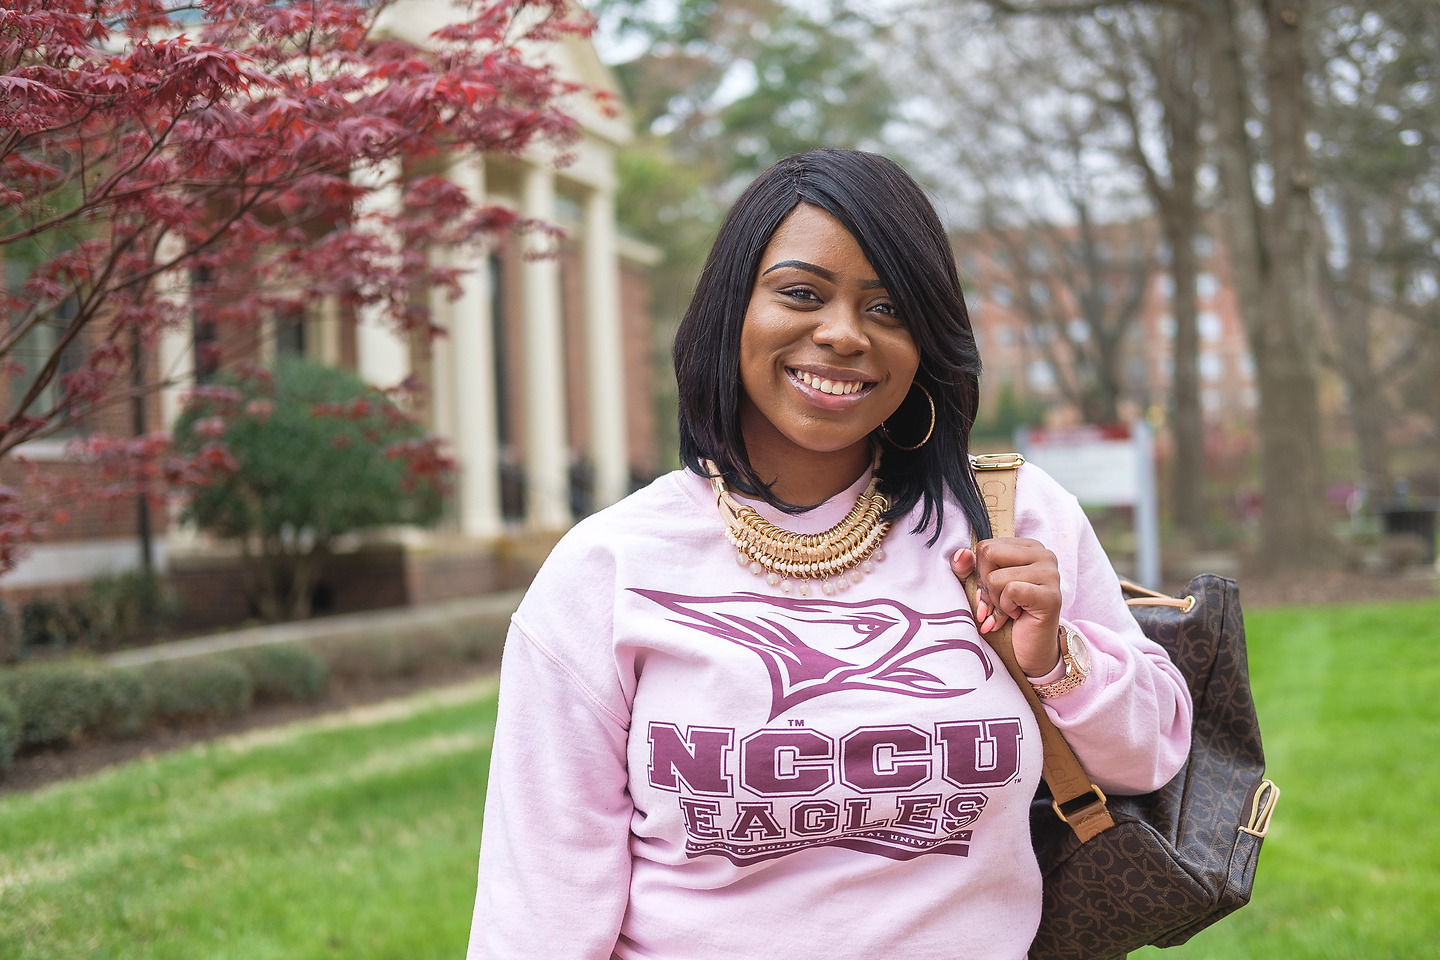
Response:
column 820, row 272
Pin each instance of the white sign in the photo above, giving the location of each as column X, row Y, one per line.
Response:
column 1106, row 466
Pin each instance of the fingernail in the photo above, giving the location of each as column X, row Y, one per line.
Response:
column 987, row 625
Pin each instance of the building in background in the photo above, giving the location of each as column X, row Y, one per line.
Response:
column 1041, row 304
column 542, row 384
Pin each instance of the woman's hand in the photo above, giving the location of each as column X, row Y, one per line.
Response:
column 1019, row 581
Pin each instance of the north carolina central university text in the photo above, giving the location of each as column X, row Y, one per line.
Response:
column 756, row 797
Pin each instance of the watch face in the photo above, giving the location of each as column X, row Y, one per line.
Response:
column 1079, row 651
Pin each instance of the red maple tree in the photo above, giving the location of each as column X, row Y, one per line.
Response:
column 227, row 147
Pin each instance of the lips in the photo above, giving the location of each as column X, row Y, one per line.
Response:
column 835, row 386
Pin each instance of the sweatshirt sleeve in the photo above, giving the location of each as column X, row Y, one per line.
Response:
column 554, row 857
column 1129, row 722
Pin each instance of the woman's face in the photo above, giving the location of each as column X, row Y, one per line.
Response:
column 823, row 356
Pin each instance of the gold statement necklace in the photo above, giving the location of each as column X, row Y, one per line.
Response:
column 837, row 557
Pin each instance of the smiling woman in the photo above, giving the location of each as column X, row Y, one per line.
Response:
column 816, row 227
column 824, row 358
column 748, row 711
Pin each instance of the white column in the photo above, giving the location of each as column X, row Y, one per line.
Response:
column 176, row 357
column 266, row 346
column 464, row 372
column 383, row 354
column 327, row 332
column 605, row 343
column 546, row 474
column 177, row 341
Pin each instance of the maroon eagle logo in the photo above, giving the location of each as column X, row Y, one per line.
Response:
column 867, row 645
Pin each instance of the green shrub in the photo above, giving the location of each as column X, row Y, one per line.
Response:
column 380, row 656
column 318, row 453
column 9, row 636
column 460, row 643
column 125, row 703
column 199, row 688
column 9, row 732
column 284, row 672
column 49, row 626
column 130, row 606
column 58, row 703
column 373, row 656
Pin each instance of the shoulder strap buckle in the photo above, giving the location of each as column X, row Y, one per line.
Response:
column 997, row 461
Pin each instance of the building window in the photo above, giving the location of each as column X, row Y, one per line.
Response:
column 1206, row 285
column 30, row 355
column 1135, row 370
column 1001, row 295
column 1212, row 366
column 290, row 334
column 205, row 335
column 512, row 470
column 1212, row 328
column 1040, row 376
column 37, row 346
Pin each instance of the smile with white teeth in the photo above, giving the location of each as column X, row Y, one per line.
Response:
column 838, row 388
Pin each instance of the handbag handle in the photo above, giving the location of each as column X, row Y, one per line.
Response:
column 1077, row 800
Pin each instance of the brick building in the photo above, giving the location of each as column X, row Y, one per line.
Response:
column 1025, row 294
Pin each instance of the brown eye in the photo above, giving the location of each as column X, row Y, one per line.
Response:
column 888, row 313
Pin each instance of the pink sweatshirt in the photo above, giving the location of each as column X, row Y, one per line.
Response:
column 691, row 765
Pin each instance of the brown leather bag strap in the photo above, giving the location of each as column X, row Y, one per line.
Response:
column 1077, row 801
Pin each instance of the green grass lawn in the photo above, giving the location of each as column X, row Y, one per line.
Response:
column 355, row 836
column 351, row 837
column 1351, row 717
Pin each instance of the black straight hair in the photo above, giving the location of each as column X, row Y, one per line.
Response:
column 901, row 235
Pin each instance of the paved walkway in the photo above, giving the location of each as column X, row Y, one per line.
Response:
column 483, row 608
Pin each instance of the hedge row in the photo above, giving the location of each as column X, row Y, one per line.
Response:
column 65, row 702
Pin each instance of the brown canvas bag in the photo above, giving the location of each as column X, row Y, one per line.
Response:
column 1125, row 871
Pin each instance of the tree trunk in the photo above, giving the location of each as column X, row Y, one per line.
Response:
column 1181, row 221
column 1180, row 217
column 1271, row 256
column 258, row 572
column 305, row 567
column 1350, row 320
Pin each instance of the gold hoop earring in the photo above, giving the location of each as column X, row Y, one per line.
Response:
column 885, row 431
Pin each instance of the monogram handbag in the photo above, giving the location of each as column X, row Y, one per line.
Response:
column 1124, row 872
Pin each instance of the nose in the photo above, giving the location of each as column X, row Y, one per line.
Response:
column 840, row 328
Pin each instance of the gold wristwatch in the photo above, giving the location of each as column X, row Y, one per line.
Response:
column 1075, row 654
